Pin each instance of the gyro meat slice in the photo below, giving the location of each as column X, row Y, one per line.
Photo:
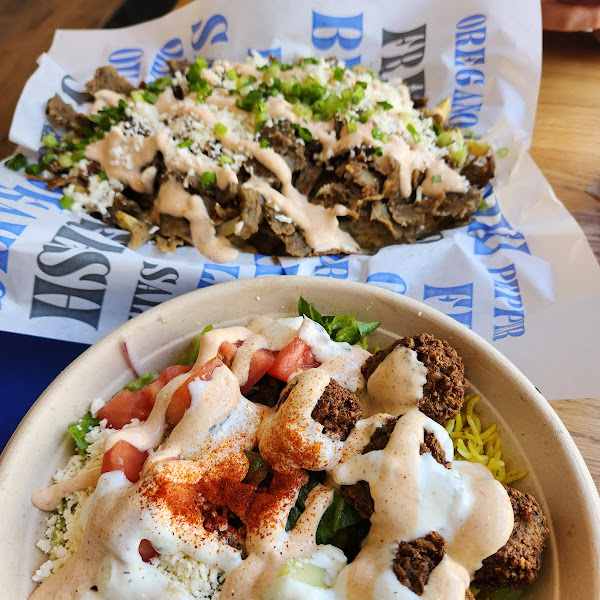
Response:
column 517, row 563
column 443, row 393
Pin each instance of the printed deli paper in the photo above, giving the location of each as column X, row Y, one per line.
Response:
column 521, row 274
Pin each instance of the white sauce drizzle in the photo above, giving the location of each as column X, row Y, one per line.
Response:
column 412, row 493
column 124, row 157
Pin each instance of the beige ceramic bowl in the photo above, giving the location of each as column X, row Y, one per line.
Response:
column 533, row 436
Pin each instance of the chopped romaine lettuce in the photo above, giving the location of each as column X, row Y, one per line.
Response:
column 190, row 355
column 341, row 328
column 141, row 381
column 79, row 430
column 338, row 516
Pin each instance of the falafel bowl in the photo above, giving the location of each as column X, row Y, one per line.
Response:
column 277, row 457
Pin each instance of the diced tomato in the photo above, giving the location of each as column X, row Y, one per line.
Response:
column 228, row 351
column 127, row 405
column 181, row 398
column 261, row 362
column 125, row 457
column 147, row 551
column 296, row 356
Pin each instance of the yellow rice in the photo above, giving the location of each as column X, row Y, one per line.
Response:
column 477, row 446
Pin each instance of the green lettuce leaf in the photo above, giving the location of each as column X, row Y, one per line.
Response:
column 190, row 355
column 79, row 430
column 141, row 381
column 341, row 328
column 338, row 516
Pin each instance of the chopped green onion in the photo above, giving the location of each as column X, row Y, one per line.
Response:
column 65, row 160
column 437, row 128
column 208, row 180
column 137, row 96
column 202, row 95
column 67, row 202
column 338, row 74
column 48, row 158
column 351, row 125
column 50, row 141
column 358, row 92
column 310, row 60
column 302, row 132
column 291, row 89
column 232, row 75
column 312, row 91
column 102, row 176
column 436, row 179
column 226, row 159
column 220, row 129
column 265, row 144
column 380, row 135
column 250, row 100
column 259, row 119
column 201, row 63
column 271, row 73
column 80, row 155
column 150, row 97
column 459, row 155
column 444, row 139
column 481, row 207
column 301, row 110
column 242, row 83
column 502, row 152
column 416, row 136
column 385, row 105
column 379, row 151
column 470, row 134
column 34, row 169
column 17, row 162
column 185, row 144
column 158, row 86
column 365, row 115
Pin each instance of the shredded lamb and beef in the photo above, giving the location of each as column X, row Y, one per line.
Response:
column 364, row 181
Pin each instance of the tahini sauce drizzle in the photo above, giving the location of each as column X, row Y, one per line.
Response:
column 220, row 424
column 408, row 504
column 318, row 224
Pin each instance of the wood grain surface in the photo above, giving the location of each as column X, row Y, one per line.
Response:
column 565, row 142
column 26, row 30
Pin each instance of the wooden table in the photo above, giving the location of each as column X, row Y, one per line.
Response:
column 567, row 150
column 565, row 141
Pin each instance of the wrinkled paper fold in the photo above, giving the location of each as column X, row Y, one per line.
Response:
column 521, row 274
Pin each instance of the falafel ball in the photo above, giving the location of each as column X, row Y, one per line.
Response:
column 517, row 563
column 414, row 561
column 443, row 393
column 337, row 409
column 358, row 495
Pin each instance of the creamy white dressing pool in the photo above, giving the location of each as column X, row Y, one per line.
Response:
column 413, row 494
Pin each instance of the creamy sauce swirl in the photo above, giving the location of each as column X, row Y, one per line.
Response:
column 204, row 459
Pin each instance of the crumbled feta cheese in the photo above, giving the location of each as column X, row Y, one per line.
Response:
column 99, row 196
